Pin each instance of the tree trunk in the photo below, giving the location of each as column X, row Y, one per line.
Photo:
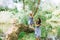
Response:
column 37, row 7
column 23, row 5
column 14, row 31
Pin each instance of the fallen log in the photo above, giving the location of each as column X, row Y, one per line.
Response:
column 13, row 32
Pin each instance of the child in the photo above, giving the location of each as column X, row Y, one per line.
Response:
column 37, row 29
column 30, row 21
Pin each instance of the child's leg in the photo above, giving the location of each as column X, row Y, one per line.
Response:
column 39, row 38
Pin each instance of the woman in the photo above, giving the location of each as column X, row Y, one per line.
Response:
column 37, row 29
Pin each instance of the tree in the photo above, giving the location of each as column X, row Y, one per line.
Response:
column 37, row 7
column 23, row 5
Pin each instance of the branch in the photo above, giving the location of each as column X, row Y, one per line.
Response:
column 37, row 7
column 23, row 4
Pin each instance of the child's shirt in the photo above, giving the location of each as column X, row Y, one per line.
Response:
column 37, row 31
column 30, row 21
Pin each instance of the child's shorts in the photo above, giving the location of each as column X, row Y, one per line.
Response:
column 37, row 32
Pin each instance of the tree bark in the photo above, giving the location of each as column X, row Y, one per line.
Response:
column 14, row 32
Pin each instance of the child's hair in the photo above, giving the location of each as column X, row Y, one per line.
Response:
column 39, row 21
column 31, row 14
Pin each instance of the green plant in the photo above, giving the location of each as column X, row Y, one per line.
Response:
column 0, row 39
column 25, row 20
column 1, row 31
column 58, row 32
column 21, row 35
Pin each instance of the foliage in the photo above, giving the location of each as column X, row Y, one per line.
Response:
column 46, row 12
column 58, row 31
column 0, row 39
column 14, row 11
column 1, row 31
column 25, row 20
column 21, row 35
column 3, row 8
column 29, row 36
column 43, row 31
